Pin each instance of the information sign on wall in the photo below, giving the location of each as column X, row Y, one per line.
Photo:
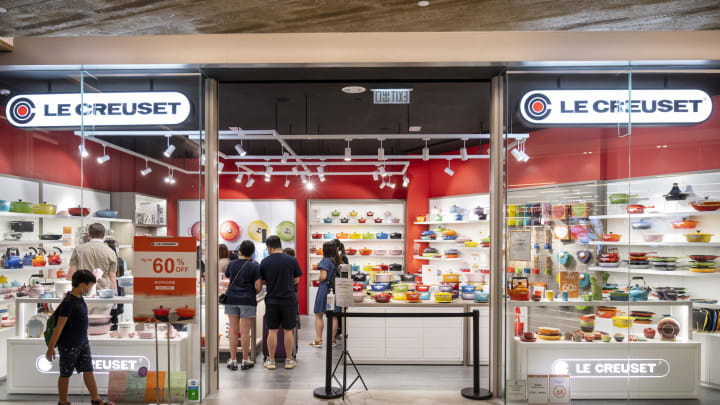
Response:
column 165, row 279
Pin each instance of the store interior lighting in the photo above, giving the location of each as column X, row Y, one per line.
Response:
column 250, row 182
column 83, row 152
column 382, row 171
column 406, row 181
column 221, row 165
column 426, row 152
column 448, row 170
column 170, row 179
column 239, row 149
column 295, row 170
column 463, row 152
column 304, row 179
column 375, row 175
column 287, row 182
column 104, row 158
column 147, row 170
column 268, row 173
column 391, row 183
column 285, row 156
column 170, row 148
column 381, row 152
column 309, row 185
column 519, row 152
column 239, row 177
column 348, row 152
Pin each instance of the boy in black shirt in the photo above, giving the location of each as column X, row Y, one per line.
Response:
column 70, row 335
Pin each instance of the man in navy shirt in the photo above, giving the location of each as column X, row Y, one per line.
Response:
column 281, row 273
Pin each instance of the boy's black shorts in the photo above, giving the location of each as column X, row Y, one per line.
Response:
column 75, row 358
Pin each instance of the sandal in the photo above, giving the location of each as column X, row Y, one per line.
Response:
column 66, row 403
column 101, row 402
column 316, row 343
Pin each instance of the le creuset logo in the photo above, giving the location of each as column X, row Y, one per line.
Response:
column 612, row 107
column 102, row 364
column 612, row 368
column 98, row 109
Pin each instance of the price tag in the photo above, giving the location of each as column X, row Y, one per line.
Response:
column 165, row 279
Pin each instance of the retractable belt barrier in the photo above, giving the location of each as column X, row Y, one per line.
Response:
column 328, row 391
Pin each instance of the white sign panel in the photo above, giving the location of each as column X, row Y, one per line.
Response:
column 102, row 364
column 343, row 292
column 391, row 96
column 520, row 243
column 610, row 107
column 98, row 109
column 619, row 368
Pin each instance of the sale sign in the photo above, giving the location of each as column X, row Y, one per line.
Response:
column 165, row 279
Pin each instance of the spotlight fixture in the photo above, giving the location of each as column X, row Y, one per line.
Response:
column 353, row 89
column 309, row 185
column 426, row 152
column 146, row 170
column 250, row 182
column 295, row 170
column 463, row 152
column 239, row 177
column 375, row 175
column 170, row 179
column 321, row 177
column 83, row 152
column 391, row 183
column 303, row 178
column 170, row 148
column 321, row 169
column 448, row 170
column 239, row 149
column 220, row 167
column 519, row 153
column 406, row 181
column 414, row 128
column 285, row 156
column 287, row 182
column 348, row 152
column 104, row 158
column 381, row 151
column 382, row 185
column 423, row 3
column 268, row 172
column 383, row 173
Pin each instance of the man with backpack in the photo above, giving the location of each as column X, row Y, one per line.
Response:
column 67, row 329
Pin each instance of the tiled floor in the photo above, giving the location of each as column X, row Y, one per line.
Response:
column 388, row 384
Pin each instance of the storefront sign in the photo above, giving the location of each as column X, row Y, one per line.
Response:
column 520, row 244
column 102, row 364
column 618, row 368
column 391, row 96
column 612, row 107
column 165, row 279
column 98, row 109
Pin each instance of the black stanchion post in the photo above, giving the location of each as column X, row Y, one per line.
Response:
column 475, row 392
column 328, row 391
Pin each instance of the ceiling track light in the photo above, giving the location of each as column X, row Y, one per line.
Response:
column 268, row 172
column 348, row 152
column 170, row 148
column 170, row 179
column 463, row 151
column 287, row 182
column 426, row 152
column 303, row 178
column 239, row 149
column 239, row 177
column 448, row 170
column 381, row 151
column 391, row 183
column 519, row 153
column 295, row 170
column 322, row 177
column 250, row 182
column 83, row 152
column 382, row 171
column 146, row 170
column 375, row 175
column 382, row 184
column 221, row 165
column 104, row 158
column 285, row 156
column 406, row 181
column 309, row 185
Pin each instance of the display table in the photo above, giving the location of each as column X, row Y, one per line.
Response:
column 408, row 340
column 30, row 373
column 5, row 334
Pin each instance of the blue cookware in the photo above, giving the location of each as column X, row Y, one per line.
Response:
column 425, row 295
column 28, row 258
column 379, row 287
column 639, row 293
column 481, row 296
column 327, row 220
column 329, row 235
column 107, row 213
column 4, row 205
column 381, row 235
column 467, row 288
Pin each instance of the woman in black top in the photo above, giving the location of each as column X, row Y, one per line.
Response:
column 241, row 305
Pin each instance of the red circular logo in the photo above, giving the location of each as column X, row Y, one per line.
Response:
column 538, row 106
column 22, row 111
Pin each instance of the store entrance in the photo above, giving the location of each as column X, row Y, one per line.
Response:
column 392, row 164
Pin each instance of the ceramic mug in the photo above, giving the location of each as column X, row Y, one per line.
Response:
column 550, row 295
column 564, row 295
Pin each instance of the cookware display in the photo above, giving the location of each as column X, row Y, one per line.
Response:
column 22, row 226
column 623, row 321
column 359, row 276
column 286, row 231
column 684, row 224
column 106, row 213
column 328, row 235
column 395, row 220
column 380, row 252
column 327, row 220
column 21, row 206
column 352, row 214
column 317, row 235
column 358, row 297
column 4, row 205
column 378, row 220
column 344, row 220
column 362, row 220
column 451, row 278
column 621, row 198
column 396, row 252
column 44, row 209
column 368, row 235
column 382, row 297
column 161, row 314
column 480, row 212
column 342, row 235
column 705, row 205
column 379, row 287
column 106, row 293
column 518, row 289
column 653, row 237
column 698, row 236
column 411, row 296
column 641, row 224
column 611, row 237
column 366, row 252
column 395, row 267
column 449, row 234
column 637, row 208
column 430, row 252
column 668, row 328
column 356, row 235
column 428, row 235
column 78, row 211
column 350, row 251
column 639, row 292
column 452, row 253
column 54, row 259
column 50, row 236
column 396, row 235
column 384, row 278
column 382, row 235
column 335, row 213
column 443, row 297
column 675, row 194
column 481, row 296
column 12, row 259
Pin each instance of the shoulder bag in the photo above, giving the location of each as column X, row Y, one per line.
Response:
column 223, row 297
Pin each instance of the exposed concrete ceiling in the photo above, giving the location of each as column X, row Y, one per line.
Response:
column 151, row 17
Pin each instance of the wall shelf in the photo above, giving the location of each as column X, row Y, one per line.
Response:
column 680, row 214
column 451, row 222
column 640, row 243
column 673, row 273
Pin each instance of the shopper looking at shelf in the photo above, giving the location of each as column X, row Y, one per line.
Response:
column 71, row 338
column 92, row 255
column 328, row 267
column 281, row 273
column 223, row 258
column 241, row 305
column 342, row 257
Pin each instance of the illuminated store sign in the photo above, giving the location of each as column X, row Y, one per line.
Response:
column 633, row 368
column 102, row 364
column 612, row 107
column 391, row 96
column 98, row 109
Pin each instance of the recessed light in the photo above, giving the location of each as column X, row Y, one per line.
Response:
column 414, row 128
column 423, row 3
column 353, row 89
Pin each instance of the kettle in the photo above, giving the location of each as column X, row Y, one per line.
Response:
column 638, row 293
column 29, row 256
column 12, row 259
column 54, row 259
column 39, row 260
column 518, row 289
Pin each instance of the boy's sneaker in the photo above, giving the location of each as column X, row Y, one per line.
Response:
column 270, row 364
column 290, row 363
column 246, row 364
column 232, row 364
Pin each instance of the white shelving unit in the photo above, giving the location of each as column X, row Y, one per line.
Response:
column 368, row 224
column 680, row 214
column 358, row 257
column 673, row 273
column 441, row 259
column 450, row 222
column 360, row 240
column 642, row 243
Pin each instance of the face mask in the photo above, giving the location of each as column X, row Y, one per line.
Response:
column 85, row 293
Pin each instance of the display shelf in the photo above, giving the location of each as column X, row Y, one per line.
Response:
column 673, row 273
column 701, row 305
column 610, row 345
column 128, row 299
column 656, row 215
column 575, row 301
column 451, row 222
column 27, row 242
column 435, row 241
column 639, row 243
column 440, row 259
column 149, row 225
column 19, row 215
column 365, row 224
column 27, row 268
column 351, row 257
column 360, row 240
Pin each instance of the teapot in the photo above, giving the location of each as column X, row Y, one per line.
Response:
column 480, row 212
column 54, row 259
column 29, row 256
column 638, row 293
column 517, row 289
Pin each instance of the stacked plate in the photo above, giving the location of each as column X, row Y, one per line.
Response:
column 638, row 261
column 703, row 264
column 664, row 263
column 642, row 317
column 547, row 333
